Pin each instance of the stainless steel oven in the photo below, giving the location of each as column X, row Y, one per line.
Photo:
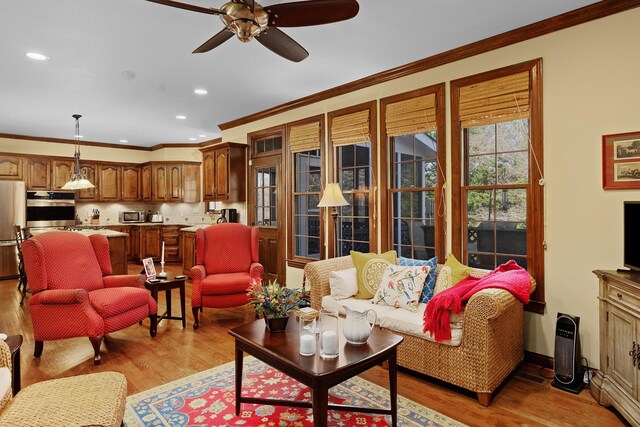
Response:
column 51, row 208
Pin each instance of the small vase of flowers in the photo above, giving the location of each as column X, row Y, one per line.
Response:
column 273, row 301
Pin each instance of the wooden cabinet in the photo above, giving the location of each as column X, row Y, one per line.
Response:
column 145, row 183
column 171, row 239
column 90, row 171
column 10, row 167
column 127, row 230
column 109, row 177
column 130, row 191
column 38, row 174
column 61, row 171
column 188, row 251
column 174, row 183
column 134, row 243
column 191, row 183
column 224, row 167
column 159, row 181
column 150, row 242
column 617, row 382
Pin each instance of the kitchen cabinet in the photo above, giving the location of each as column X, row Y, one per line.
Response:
column 130, row 191
column 225, row 172
column 109, row 177
column 188, row 251
column 150, row 242
column 134, row 243
column 38, row 174
column 617, row 383
column 191, row 183
column 127, row 245
column 174, row 183
column 90, row 171
column 159, row 181
column 145, row 183
column 11, row 167
column 61, row 171
column 171, row 239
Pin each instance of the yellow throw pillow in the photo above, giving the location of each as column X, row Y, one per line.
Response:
column 369, row 271
column 458, row 271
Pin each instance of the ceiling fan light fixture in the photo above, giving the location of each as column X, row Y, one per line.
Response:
column 244, row 29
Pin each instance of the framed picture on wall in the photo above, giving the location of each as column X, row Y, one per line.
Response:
column 621, row 161
column 149, row 268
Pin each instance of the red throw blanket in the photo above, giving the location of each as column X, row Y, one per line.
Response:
column 509, row 276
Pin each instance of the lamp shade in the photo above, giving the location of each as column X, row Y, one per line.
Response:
column 332, row 196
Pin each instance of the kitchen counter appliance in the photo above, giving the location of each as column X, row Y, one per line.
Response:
column 51, row 208
column 12, row 212
column 131, row 216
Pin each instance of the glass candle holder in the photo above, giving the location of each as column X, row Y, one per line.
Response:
column 329, row 340
column 307, row 336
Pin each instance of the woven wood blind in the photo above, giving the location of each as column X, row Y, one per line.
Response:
column 350, row 128
column 411, row 116
column 493, row 101
column 304, row 137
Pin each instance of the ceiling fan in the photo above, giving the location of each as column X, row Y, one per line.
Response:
column 247, row 19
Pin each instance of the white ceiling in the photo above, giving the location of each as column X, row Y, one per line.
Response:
column 127, row 67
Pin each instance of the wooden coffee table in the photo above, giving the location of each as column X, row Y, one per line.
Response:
column 281, row 351
column 167, row 285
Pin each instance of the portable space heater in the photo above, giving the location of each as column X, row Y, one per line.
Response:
column 567, row 372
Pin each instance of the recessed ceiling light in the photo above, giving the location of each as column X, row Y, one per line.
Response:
column 37, row 56
column 181, row 117
column 124, row 141
column 192, row 139
column 77, row 136
column 202, row 136
column 200, row 91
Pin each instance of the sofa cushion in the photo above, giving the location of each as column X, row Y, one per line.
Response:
column 5, row 382
column 401, row 286
column 459, row 271
column 330, row 303
column 369, row 270
column 343, row 283
column 110, row 302
column 430, row 282
column 409, row 323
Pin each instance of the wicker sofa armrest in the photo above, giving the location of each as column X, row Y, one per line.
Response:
column 317, row 273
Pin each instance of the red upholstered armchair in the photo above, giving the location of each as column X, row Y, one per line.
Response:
column 73, row 293
column 226, row 260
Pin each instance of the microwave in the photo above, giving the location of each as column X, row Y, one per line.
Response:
column 131, row 216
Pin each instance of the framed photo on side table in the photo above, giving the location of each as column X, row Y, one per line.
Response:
column 149, row 268
column 621, row 161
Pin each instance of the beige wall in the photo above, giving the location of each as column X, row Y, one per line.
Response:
column 24, row 146
column 591, row 88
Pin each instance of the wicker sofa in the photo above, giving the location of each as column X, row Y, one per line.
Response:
column 492, row 342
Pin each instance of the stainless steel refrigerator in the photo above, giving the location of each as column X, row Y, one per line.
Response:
column 12, row 212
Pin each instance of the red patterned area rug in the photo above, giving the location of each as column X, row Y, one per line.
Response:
column 208, row 399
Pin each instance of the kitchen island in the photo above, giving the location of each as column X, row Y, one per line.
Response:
column 117, row 246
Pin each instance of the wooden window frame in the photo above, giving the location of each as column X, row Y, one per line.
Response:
column 535, row 192
column 386, row 157
column 254, row 137
column 333, row 172
column 292, row 259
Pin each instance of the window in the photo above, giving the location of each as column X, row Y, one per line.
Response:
column 416, row 205
column 266, row 201
column 305, row 182
column 352, row 136
column 497, row 197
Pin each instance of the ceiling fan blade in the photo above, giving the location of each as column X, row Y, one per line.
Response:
column 191, row 7
column 306, row 13
column 214, row 41
column 280, row 43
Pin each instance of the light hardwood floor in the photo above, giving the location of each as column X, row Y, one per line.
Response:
column 175, row 353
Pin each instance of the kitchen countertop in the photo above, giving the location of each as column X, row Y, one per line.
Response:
column 143, row 224
column 87, row 232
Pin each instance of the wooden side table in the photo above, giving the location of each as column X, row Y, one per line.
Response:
column 167, row 285
column 15, row 342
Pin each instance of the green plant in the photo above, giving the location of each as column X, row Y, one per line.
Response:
column 273, row 299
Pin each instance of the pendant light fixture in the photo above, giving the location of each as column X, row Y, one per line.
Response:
column 77, row 181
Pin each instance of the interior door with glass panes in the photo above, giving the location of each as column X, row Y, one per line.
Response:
column 266, row 212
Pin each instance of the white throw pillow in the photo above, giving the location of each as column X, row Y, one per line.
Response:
column 444, row 280
column 401, row 286
column 343, row 283
column 5, row 381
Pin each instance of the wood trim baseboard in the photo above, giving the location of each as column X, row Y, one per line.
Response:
column 566, row 20
column 538, row 359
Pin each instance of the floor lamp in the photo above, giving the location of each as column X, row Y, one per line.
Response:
column 332, row 198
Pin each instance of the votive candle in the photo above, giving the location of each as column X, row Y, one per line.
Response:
column 329, row 343
column 307, row 345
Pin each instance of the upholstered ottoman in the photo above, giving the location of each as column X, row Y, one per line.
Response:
column 85, row 400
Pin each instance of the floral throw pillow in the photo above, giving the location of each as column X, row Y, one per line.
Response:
column 430, row 283
column 444, row 280
column 401, row 286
